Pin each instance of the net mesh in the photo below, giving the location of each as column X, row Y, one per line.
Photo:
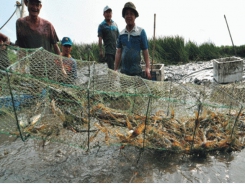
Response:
column 85, row 104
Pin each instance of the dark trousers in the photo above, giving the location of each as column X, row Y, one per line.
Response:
column 133, row 74
column 110, row 59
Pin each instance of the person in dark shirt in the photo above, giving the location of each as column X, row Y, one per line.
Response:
column 108, row 32
column 4, row 61
column 34, row 32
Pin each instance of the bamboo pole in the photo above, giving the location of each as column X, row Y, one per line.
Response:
column 230, row 35
column 22, row 8
column 154, row 44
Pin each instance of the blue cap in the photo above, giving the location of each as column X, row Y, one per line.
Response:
column 66, row 41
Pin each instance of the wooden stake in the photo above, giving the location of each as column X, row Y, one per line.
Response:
column 153, row 50
column 230, row 35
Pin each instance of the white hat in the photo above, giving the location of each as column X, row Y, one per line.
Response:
column 106, row 8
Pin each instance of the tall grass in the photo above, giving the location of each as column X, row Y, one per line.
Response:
column 229, row 50
column 88, row 52
column 168, row 50
column 192, row 50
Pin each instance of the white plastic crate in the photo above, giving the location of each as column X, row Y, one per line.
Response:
column 229, row 69
column 157, row 71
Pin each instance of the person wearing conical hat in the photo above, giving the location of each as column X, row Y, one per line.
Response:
column 131, row 41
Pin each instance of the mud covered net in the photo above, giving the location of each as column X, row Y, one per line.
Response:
column 85, row 104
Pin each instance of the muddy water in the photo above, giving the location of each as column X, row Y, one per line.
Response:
column 30, row 162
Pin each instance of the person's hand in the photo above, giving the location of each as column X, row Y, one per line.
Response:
column 101, row 54
column 63, row 70
column 148, row 73
column 59, row 63
column 7, row 42
column 115, row 69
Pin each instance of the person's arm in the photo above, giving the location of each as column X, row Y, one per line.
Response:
column 100, row 47
column 147, row 63
column 53, row 38
column 117, row 58
column 100, row 36
column 56, row 49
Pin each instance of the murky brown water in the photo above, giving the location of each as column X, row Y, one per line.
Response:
column 30, row 162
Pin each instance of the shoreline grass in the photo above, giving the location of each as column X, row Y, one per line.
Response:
column 169, row 50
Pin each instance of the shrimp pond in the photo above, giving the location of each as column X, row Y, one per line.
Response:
column 34, row 161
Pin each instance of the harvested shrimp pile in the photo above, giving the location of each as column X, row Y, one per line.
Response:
column 210, row 131
column 213, row 131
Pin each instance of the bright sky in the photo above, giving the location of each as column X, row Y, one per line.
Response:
column 196, row 20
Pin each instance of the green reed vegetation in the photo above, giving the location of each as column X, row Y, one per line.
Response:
column 169, row 50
